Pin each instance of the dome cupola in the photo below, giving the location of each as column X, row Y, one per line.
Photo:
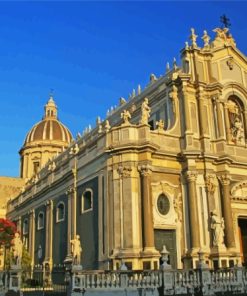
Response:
column 45, row 140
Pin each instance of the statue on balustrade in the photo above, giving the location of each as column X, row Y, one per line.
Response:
column 145, row 112
column 217, row 226
column 17, row 249
column 76, row 250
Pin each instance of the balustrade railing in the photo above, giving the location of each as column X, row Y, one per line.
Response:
column 171, row 282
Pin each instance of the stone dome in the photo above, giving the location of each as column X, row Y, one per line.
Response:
column 49, row 128
column 44, row 141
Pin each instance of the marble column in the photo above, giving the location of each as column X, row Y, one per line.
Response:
column 147, row 208
column 219, row 118
column 227, row 211
column 31, row 240
column 193, row 210
column 49, row 232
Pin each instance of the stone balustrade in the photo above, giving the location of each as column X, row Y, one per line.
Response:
column 164, row 282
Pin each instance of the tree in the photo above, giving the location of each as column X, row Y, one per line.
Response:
column 7, row 232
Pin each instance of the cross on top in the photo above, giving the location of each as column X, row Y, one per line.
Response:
column 225, row 21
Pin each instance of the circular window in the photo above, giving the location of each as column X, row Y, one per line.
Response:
column 163, row 204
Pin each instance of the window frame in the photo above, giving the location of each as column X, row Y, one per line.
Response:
column 38, row 221
column 57, row 212
column 24, row 230
column 83, row 198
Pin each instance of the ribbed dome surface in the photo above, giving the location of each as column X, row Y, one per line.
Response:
column 49, row 130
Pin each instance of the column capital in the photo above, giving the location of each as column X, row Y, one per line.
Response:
column 31, row 212
column 191, row 176
column 124, row 171
column 145, row 170
column 49, row 202
column 70, row 190
column 224, row 179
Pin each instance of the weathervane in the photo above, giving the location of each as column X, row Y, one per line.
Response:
column 225, row 21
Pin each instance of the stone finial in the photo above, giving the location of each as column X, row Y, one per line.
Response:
column 152, row 78
column 193, row 37
column 206, row 39
column 108, row 113
column 186, row 45
column 139, row 89
column 107, row 126
column 174, row 64
column 122, row 101
column 125, row 115
column 78, row 136
column 133, row 93
column 167, row 67
column 89, row 128
column 98, row 121
column 100, row 128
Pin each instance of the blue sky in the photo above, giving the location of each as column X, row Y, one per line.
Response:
column 90, row 53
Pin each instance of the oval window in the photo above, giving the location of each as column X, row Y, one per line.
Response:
column 163, row 204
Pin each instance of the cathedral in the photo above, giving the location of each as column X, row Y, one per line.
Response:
column 166, row 167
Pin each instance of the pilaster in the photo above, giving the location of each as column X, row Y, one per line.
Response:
column 227, row 211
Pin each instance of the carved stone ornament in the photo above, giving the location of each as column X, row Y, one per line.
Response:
column 125, row 115
column 145, row 170
column 230, row 64
column 124, row 171
column 178, row 207
column 107, row 126
column 52, row 166
column 160, row 125
column 223, row 37
column 211, row 183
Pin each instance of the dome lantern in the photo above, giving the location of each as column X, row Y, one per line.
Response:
column 50, row 109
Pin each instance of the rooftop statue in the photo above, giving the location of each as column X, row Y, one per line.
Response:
column 125, row 115
column 145, row 112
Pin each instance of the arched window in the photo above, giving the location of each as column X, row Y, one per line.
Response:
column 60, row 212
column 41, row 220
column 87, row 200
column 25, row 226
column 236, row 120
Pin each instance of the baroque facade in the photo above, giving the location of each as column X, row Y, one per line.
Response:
column 166, row 167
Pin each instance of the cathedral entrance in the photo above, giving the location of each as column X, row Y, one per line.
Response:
column 242, row 228
column 167, row 238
